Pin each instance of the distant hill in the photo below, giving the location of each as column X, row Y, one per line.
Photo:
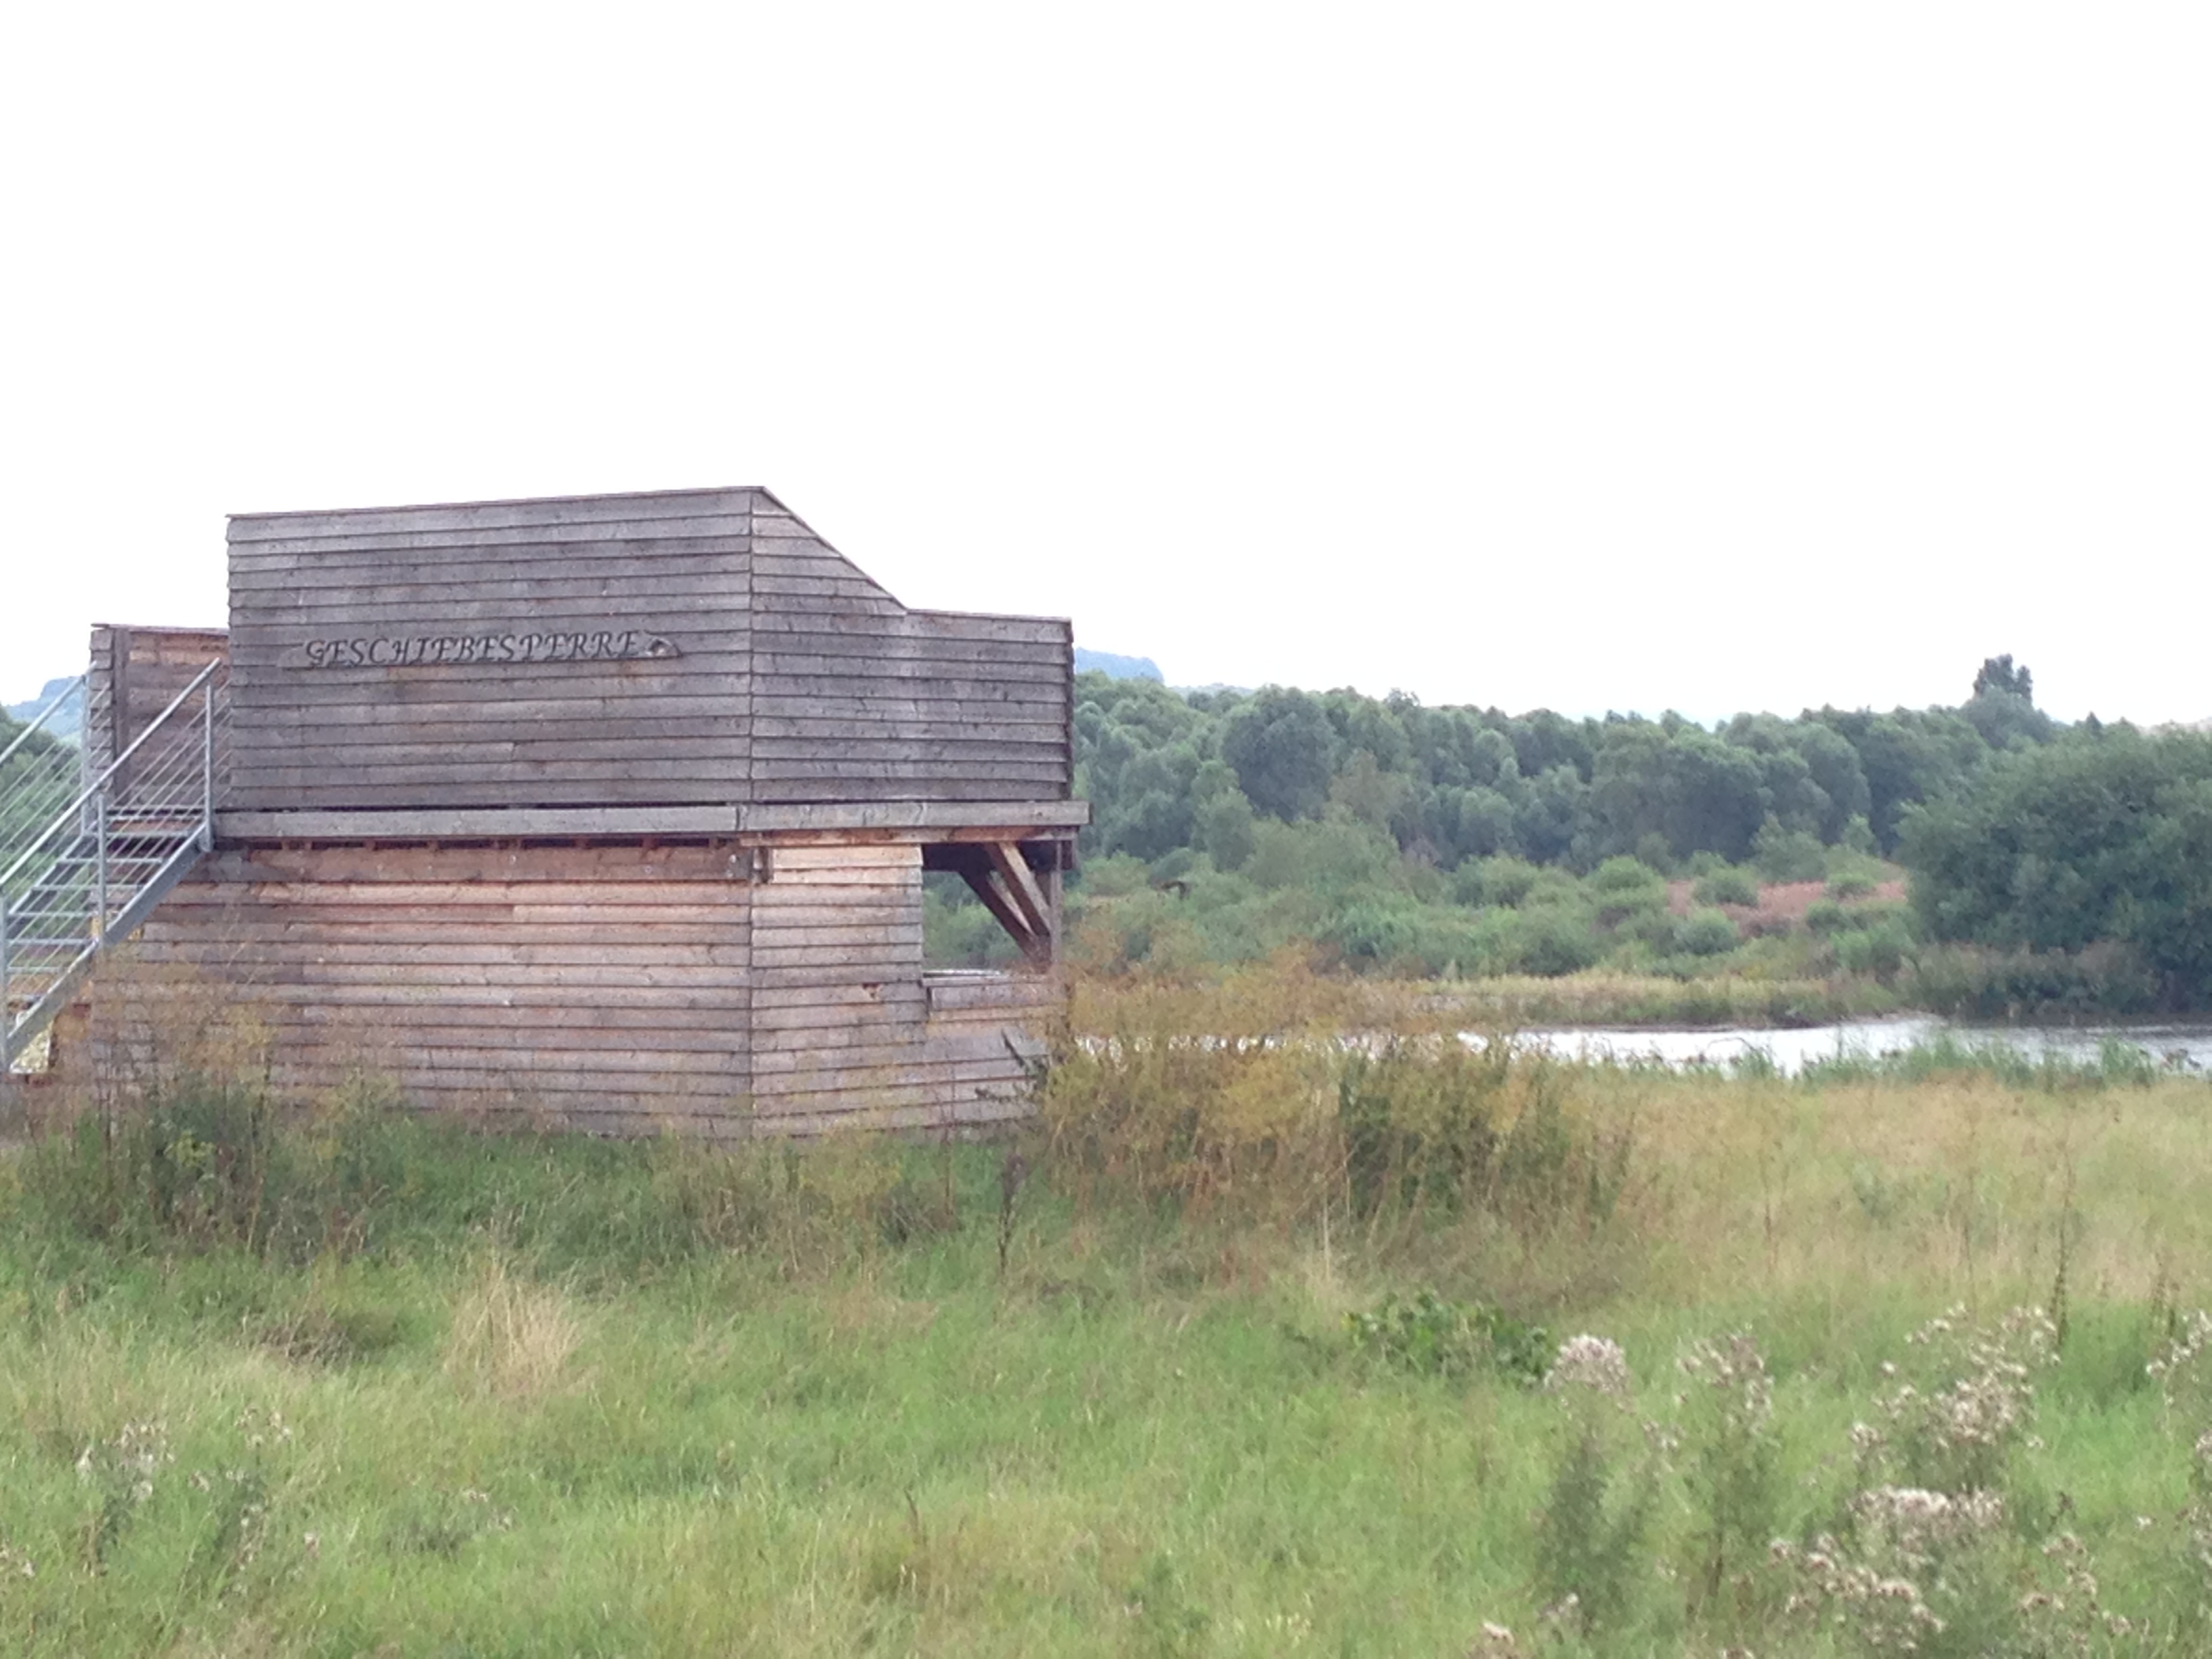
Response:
column 1117, row 668
column 64, row 724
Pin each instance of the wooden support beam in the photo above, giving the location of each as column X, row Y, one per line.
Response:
column 984, row 882
column 1021, row 882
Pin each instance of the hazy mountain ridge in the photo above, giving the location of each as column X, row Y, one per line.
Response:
column 1115, row 666
column 64, row 724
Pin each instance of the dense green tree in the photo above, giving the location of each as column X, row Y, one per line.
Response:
column 2103, row 837
column 1282, row 746
column 1998, row 674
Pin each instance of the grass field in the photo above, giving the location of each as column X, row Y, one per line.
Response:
column 349, row 1383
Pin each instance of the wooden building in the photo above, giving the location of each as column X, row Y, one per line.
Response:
column 613, row 810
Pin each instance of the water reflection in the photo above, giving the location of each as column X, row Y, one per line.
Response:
column 2186, row 1047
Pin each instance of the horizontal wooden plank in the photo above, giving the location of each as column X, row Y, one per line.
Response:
column 888, row 641
column 436, row 558
column 712, row 923
column 386, row 825
column 992, row 625
column 596, row 976
column 697, row 764
column 893, row 758
column 558, row 746
column 323, row 936
column 1015, row 769
column 1045, row 726
column 676, row 1007
column 611, row 791
column 615, row 580
column 659, row 1070
column 881, row 958
column 457, row 951
column 905, row 1054
column 882, row 854
column 684, row 710
column 918, row 814
column 643, row 507
column 705, row 860
column 802, row 791
column 579, row 1023
column 1014, row 703
column 924, row 686
column 312, row 731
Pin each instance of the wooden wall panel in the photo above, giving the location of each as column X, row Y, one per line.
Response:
column 134, row 674
column 481, row 728
column 838, row 1005
column 857, row 698
column 603, row 988
column 800, row 679
column 847, row 1029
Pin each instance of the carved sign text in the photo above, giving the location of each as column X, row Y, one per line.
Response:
column 500, row 650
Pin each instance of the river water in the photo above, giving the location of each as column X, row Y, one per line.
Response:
column 2184, row 1047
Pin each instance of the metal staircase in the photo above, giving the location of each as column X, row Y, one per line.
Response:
column 87, row 850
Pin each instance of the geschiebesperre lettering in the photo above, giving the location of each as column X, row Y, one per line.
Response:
column 495, row 650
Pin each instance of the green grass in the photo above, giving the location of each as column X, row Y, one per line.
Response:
column 477, row 1395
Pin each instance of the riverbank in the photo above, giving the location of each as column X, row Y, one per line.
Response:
column 1600, row 998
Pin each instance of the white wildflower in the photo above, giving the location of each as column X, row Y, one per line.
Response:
column 1595, row 1362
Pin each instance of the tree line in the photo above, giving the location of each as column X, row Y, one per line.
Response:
column 1165, row 772
column 2075, row 860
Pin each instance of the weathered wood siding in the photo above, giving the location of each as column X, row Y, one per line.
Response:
column 600, row 987
column 798, row 678
column 983, row 1031
column 848, row 1030
column 622, row 989
column 836, row 989
column 857, row 698
column 472, row 731
column 133, row 675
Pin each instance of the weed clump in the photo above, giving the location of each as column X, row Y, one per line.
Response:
column 1432, row 1337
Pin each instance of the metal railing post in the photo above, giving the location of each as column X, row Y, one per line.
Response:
column 207, row 771
column 99, row 866
column 7, row 1002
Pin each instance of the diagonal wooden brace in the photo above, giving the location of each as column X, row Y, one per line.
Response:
column 985, row 882
column 1021, row 884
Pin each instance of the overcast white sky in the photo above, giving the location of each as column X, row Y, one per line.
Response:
column 1590, row 357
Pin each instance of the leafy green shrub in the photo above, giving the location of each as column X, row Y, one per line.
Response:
column 1624, row 875
column 1706, row 934
column 1502, row 881
column 1659, row 930
column 1117, row 874
column 1373, row 930
column 1849, row 885
column 1826, row 916
column 1880, row 949
column 1432, row 1337
column 1625, row 888
column 1788, row 854
column 1727, row 885
column 1551, row 939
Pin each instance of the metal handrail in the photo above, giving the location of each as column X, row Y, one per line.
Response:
column 95, row 875
column 107, row 772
